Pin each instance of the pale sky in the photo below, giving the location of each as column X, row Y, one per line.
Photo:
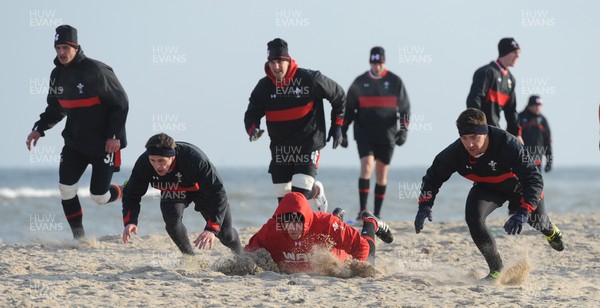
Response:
column 188, row 67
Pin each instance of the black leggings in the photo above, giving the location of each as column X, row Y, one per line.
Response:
column 173, row 216
column 480, row 203
column 368, row 233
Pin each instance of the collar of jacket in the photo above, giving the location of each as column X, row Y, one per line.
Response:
column 79, row 56
column 287, row 79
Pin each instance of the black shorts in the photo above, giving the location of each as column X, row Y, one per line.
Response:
column 382, row 152
column 73, row 164
column 282, row 168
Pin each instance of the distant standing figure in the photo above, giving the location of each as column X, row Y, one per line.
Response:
column 378, row 105
column 493, row 88
column 536, row 133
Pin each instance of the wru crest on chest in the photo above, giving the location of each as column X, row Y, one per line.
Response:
column 295, row 88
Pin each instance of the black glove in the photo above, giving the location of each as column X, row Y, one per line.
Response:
column 344, row 142
column 336, row 132
column 424, row 212
column 255, row 134
column 514, row 225
column 401, row 137
column 548, row 167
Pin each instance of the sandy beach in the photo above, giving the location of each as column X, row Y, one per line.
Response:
column 440, row 267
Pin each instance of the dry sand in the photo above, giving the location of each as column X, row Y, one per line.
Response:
column 440, row 267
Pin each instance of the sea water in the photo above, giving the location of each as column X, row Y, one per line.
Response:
column 31, row 209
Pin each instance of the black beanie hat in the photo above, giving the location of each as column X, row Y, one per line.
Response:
column 534, row 100
column 377, row 55
column 277, row 49
column 506, row 46
column 66, row 34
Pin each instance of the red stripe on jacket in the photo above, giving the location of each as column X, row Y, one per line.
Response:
column 213, row 226
column 526, row 206
column 534, row 124
column 176, row 187
column 289, row 114
column 497, row 97
column 79, row 103
column 251, row 129
column 490, row 179
column 378, row 101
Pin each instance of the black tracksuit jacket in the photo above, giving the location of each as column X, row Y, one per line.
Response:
column 89, row 94
column 192, row 177
column 294, row 109
column 493, row 91
column 375, row 105
column 505, row 166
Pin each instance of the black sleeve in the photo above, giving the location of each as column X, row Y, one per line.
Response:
column 54, row 112
column 527, row 173
column 547, row 140
column 255, row 111
column 510, row 113
column 351, row 104
column 334, row 93
column 114, row 97
column 135, row 189
column 212, row 185
column 403, row 107
column 441, row 170
column 479, row 88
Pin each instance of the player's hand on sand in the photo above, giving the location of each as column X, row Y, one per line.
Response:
column 130, row 228
column 205, row 240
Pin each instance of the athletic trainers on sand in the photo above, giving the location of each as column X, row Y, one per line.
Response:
column 492, row 276
column 555, row 239
column 339, row 213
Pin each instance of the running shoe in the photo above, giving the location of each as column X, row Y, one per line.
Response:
column 492, row 276
column 555, row 239
column 339, row 213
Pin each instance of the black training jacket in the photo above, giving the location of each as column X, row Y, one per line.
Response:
column 294, row 109
column 505, row 166
column 192, row 177
column 375, row 105
column 536, row 135
column 492, row 91
column 89, row 94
